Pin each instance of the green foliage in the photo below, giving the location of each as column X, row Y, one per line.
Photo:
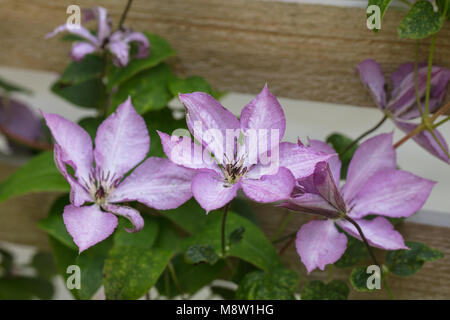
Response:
column 25, row 288
column 6, row 261
column 143, row 239
column 160, row 50
column 190, row 84
column 340, row 142
column 44, row 264
column 278, row 284
column 91, row 124
column 441, row 6
column 356, row 252
column 236, row 236
column 39, row 174
column 10, row 87
column 87, row 94
column 198, row 253
column 382, row 4
column 317, row 290
column 420, row 22
column 405, row 263
column 358, row 279
column 148, row 90
column 80, row 71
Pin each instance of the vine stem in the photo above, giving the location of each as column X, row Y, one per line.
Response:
column 411, row 134
column 224, row 222
column 124, row 14
column 354, row 142
column 441, row 122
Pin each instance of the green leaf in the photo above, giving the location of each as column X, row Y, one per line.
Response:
column 91, row 263
column 6, row 261
column 148, row 90
column 225, row 293
column 189, row 216
column 91, row 124
column 130, row 272
column 87, row 94
column 405, row 263
column 190, row 277
column 10, row 87
column 254, row 247
column 80, row 71
column 420, row 22
column 54, row 225
column 236, row 236
column 201, row 253
column 441, row 6
column 358, row 279
column 356, row 252
column 25, row 288
column 278, row 284
column 168, row 237
column 317, row 290
column 37, row 175
column 340, row 142
column 189, row 85
column 143, row 239
column 160, row 50
column 44, row 264
column 382, row 4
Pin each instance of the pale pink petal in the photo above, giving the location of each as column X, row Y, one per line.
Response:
column 211, row 191
column 311, row 203
column 334, row 162
column 319, row 243
column 326, row 187
column 76, row 30
column 88, row 225
column 270, row 188
column 141, row 40
column 103, row 24
column 392, row 193
column 379, row 232
column 374, row 154
column 208, row 121
column 129, row 213
column 122, row 141
column 158, row 183
column 80, row 49
column 372, row 77
column 184, row 152
column 119, row 49
column 75, row 145
column 299, row 159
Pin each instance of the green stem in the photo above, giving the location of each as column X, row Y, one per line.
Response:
column 441, row 122
column 288, row 236
column 224, row 222
column 439, row 142
column 351, row 145
column 430, row 64
column 174, row 277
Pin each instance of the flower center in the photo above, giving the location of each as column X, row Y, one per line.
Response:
column 233, row 171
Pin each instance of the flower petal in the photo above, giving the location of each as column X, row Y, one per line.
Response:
column 80, row 49
column 372, row 76
column 392, row 193
column 299, row 159
column 119, row 49
column 326, row 187
column 184, row 152
column 426, row 140
column 374, row 154
column 202, row 110
column 379, row 232
column 319, row 243
column 141, row 40
column 127, row 212
column 103, row 24
column 211, row 191
column 264, row 112
column 75, row 145
column 311, row 203
column 122, row 141
column 76, row 30
column 88, row 225
column 270, row 188
column 158, row 183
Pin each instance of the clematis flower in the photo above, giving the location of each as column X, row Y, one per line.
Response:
column 373, row 187
column 118, row 43
column 99, row 182
column 237, row 154
column 401, row 106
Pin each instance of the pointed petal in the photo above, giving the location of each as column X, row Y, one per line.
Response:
column 184, row 152
column 122, row 141
column 75, row 145
column 158, row 183
column 129, row 213
column 270, row 188
column 392, row 193
column 141, row 40
column 426, row 140
column 264, row 112
column 334, row 162
column 319, row 243
column 119, row 49
column 80, row 49
column 311, row 203
column 372, row 76
column 300, row 160
column 76, row 30
column 104, row 24
column 374, row 154
column 202, row 110
column 379, row 232
column 88, row 225
column 325, row 186
column 211, row 191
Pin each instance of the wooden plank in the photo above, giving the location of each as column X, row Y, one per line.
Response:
column 302, row 51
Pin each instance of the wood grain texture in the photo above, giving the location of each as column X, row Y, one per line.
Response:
column 302, row 51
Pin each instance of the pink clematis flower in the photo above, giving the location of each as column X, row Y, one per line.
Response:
column 373, row 187
column 235, row 154
column 117, row 43
column 401, row 106
column 100, row 175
